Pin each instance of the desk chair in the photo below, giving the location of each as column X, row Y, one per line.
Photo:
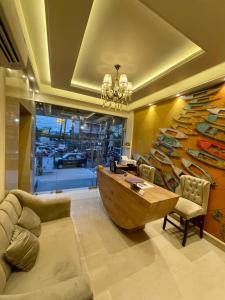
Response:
column 192, row 204
column 146, row 172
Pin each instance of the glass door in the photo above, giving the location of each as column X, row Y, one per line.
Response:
column 70, row 144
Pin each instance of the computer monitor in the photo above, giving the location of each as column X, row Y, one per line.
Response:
column 114, row 169
column 112, row 166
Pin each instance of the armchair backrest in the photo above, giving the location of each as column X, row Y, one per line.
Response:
column 147, row 172
column 195, row 189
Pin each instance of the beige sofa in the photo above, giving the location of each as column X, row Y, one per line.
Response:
column 58, row 272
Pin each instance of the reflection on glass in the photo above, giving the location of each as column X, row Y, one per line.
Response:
column 70, row 144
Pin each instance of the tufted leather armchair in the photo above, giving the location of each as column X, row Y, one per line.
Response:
column 147, row 172
column 192, row 204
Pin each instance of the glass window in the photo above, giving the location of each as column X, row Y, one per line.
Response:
column 70, row 144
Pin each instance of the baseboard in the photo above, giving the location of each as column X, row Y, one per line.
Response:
column 215, row 241
column 209, row 237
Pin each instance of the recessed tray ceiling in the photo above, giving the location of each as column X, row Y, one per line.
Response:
column 125, row 32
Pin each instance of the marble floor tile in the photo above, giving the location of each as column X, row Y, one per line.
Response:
column 147, row 265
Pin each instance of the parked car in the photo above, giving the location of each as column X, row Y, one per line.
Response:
column 71, row 160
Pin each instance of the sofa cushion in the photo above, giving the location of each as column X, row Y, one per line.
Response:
column 188, row 209
column 58, row 259
column 6, row 224
column 23, row 249
column 15, row 202
column 6, row 230
column 3, row 266
column 71, row 289
column 9, row 209
column 30, row 221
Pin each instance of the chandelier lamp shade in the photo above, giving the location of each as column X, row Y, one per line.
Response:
column 116, row 91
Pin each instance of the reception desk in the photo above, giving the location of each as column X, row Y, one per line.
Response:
column 126, row 207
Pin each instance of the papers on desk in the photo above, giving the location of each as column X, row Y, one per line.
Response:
column 145, row 185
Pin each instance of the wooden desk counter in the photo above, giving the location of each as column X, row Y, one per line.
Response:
column 128, row 209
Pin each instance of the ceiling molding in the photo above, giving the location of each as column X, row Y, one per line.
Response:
column 214, row 74
column 58, row 56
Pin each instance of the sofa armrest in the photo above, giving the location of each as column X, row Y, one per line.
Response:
column 76, row 288
column 46, row 208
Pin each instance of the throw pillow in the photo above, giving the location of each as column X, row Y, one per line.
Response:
column 23, row 249
column 30, row 221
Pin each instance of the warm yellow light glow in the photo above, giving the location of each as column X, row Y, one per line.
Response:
column 86, row 86
column 40, row 62
column 186, row 52
column 84, row 100
column 201, row 78
column 33, row 22
column 178, row 60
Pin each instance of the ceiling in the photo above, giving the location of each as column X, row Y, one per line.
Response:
column 128, row 33
column 43, row 109
column 72, row 44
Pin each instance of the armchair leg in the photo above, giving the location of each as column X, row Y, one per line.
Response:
column 164, row 222
column 185, row 232
column 181, row 221
column 202, row 226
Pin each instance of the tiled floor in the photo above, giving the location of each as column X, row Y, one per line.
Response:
column 68, row 178
column 146, row 265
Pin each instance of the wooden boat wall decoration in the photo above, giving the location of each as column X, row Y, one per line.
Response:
column 184, row 129
column 203, row 100
column 178, row 171
column 171, row 181
column 202, row 93
column 146, row 159
column 213, row 131
column 167, row 149
column 196, row 171
column 160, row 156
column 158, row 179
column 202, row 154
column 188, row 120
column 152, row 161
column 170, row 141
column 207, row 158
column 193, row 113
column 213, row 148
column 173, row 133
column 217, row 111
column 198, row 107
column 216, row 119
column 142, row 160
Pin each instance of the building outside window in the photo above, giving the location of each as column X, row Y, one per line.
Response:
column 69, row 145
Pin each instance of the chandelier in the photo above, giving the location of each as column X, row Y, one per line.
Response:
column 116, row 92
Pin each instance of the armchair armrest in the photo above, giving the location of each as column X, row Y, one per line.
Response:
column 76, row 288
column 46, row 208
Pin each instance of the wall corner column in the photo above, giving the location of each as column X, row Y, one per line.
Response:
column 2, row 133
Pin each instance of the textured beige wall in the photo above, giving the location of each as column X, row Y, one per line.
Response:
column 18, row 144
column 2, row 133
column 148, row 120
column 11, row 143
column 25, row 153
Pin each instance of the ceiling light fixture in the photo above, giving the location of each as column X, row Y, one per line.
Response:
column 177, row 95
column 31, row 78
column 116, row 93
column 37, row 91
